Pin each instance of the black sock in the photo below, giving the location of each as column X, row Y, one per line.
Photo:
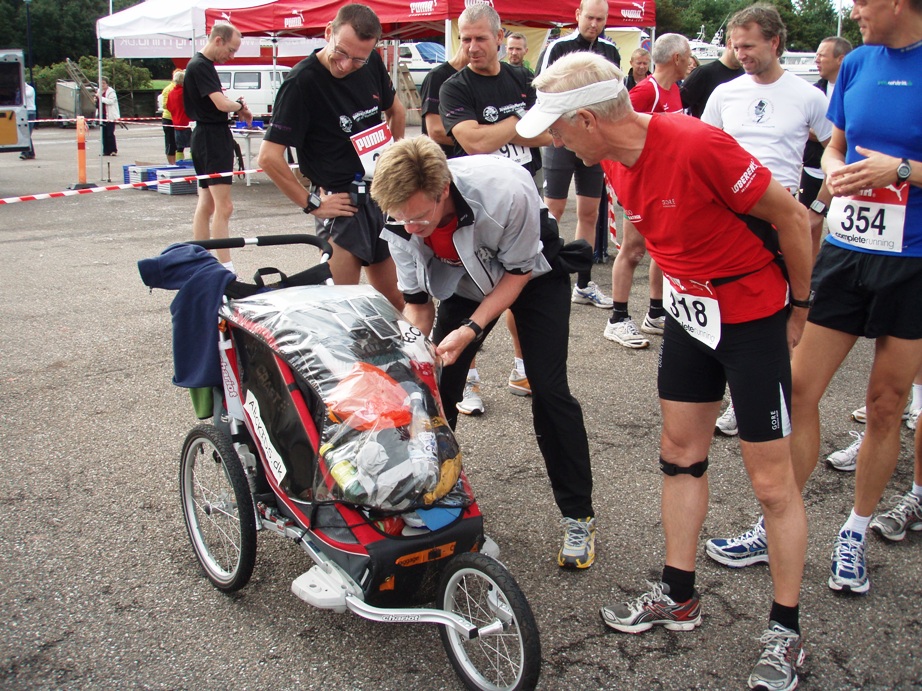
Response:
column 656, row 309
column 681, row 583
column 619, row 313
column 583, row 278
column 788, row 617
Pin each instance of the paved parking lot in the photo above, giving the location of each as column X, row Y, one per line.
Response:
column 99, row 587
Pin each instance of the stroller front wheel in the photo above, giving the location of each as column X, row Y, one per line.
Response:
column 218, row 508
column 481, row 590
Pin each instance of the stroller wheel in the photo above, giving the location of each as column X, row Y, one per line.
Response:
column 218, row 508
column 481, row 590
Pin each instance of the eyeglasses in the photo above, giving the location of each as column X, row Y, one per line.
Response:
column 340, row 55
column 391, row 221
column 554, row 133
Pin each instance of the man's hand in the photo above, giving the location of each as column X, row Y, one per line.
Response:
column 453, row 344
column 876, row 171
column 334, row 205
column 796, row 322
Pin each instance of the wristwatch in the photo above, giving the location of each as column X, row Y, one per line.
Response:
column 313, row 202
column 903, row 171
column 804, row 304
column 473, row 326
column 819, row 207
column 520, row 113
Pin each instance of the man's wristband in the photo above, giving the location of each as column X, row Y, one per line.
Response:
column 473, row 326
column 803, row 304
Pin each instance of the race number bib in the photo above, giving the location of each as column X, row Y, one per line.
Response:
column 515, row 153
column 871, row 220
column 370, row 144
column 694, row 305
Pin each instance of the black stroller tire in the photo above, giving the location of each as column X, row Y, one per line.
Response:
column 476, row 587
column 218, row 508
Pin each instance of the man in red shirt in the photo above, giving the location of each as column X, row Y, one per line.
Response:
column 714, row 220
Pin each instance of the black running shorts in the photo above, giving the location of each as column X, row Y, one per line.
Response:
column 359, row 234
column 868, row 295
column 213, row 152
column 751, row 357
column 561, row 165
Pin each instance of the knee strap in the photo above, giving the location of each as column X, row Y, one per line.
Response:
column 695, row 469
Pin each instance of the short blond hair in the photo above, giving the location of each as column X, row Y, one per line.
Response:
column 407, row 167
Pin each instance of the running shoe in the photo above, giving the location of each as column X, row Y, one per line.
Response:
column 653, row 608
column 518, row 384
column 906, row 514
column 726, row 423
column 849, row 571
column 578, row 551
column 653, row 325
column 861, row 414
column 591, row 295
column 625, row 332
column 846, row 460
column 471, row 403
column 913, row 418
column 782, row 653
column 736, row 552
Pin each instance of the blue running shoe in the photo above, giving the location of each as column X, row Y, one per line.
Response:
column 736, row 552
column 849, row 572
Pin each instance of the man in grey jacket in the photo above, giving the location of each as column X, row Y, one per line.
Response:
column 473, row 233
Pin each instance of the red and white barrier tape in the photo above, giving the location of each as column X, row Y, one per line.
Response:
column 127, row 186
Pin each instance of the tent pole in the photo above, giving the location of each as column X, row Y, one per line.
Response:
column 102, row 172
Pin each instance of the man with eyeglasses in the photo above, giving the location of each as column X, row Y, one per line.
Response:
column 330, row 109
column 473, row 233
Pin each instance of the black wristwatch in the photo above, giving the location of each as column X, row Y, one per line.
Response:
column 819, row 207
column 804, row 304
column 313, row 202
column 903, row 171
column 473, row 326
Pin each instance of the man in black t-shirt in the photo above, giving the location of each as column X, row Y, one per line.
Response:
column 330, row 109
column 701, row 83
column 212, row 143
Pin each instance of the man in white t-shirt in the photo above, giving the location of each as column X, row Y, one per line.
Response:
column 770, row 112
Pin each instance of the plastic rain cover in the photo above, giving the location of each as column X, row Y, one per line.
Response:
column 384, row 442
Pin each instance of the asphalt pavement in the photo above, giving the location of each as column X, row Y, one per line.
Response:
column 99, row 587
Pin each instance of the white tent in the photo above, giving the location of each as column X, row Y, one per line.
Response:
column 166, row 28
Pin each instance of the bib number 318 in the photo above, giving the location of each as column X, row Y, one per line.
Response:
column 694, row 307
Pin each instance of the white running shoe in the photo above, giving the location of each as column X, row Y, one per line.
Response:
column 591, row 295
column 653, row 325
column 726, row 423
column 846, row 460
column 471, row 403
column 625, row 332
column 861, row 414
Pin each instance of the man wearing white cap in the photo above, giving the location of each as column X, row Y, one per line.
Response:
column 706, row 209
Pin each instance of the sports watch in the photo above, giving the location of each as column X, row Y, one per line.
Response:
column 803, row 304
column 473, row 326
column 819, row 207
column 313, row 203
column 903, row 171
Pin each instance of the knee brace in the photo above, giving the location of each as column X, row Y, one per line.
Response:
column 695, row 469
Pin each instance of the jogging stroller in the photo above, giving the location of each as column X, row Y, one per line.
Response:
column 328, row 429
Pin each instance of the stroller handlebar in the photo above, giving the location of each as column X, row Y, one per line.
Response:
column 267, row 241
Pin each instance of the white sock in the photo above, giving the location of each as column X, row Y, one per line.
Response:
column 472, row 375
column 856, row 524
column 519, row 366
column 917, row 489
column 916, row 397
column 229, row 266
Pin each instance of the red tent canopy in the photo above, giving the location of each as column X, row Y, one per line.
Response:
column 409, row 19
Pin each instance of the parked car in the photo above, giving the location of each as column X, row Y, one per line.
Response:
column 420, row 58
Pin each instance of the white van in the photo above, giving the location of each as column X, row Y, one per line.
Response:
column 257, row 84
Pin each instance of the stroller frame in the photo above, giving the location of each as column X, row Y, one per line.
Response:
column 225, row 476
